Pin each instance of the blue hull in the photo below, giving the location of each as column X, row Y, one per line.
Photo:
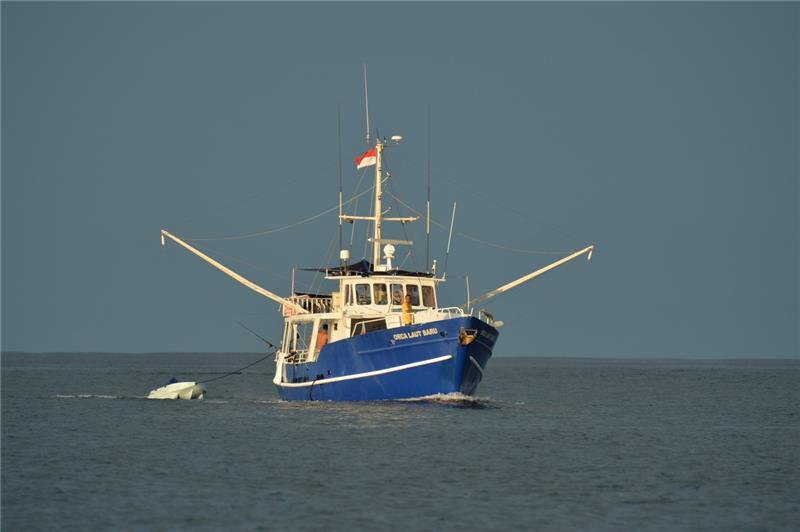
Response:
column 399, row 363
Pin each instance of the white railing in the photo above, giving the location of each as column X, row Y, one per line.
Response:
column 436, row 314
column 362, row 326
column 313, row 304
column 489, row 318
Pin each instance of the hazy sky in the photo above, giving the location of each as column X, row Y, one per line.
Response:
column 666, row 134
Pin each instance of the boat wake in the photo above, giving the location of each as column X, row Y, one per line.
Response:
column 87, row 396
column 455, row 399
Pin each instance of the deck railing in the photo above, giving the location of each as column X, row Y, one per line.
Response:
column 436, row 314
column 313, row 304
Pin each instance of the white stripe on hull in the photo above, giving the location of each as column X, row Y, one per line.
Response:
column 366, row 374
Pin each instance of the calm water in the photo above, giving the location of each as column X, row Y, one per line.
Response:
column 550, row 444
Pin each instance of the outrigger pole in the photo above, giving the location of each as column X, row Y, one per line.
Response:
column 508, row 286
column 249, row 284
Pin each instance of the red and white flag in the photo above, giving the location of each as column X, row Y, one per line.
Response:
column 368, row 159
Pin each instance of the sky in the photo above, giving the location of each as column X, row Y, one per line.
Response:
column 666, row 134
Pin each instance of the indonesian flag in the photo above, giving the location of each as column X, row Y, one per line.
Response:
column 368, row 159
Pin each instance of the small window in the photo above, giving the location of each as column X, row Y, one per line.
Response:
column 427, row 297
column 397, row 294
column 362, row 294
column 347, row 294
column 364, row 326
column 379, row 290
column 413, row 291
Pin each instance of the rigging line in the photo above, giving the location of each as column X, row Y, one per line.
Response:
column 479, row 240
column 404, row 260
column 355, row 208
column 238, row 370
column 288, row 181
column 242, row 261
column 410, row 250
column 277, row 229
column 405, row 232
column 325, row 261
column 524, row 216
column 367, row 231
column 248, row 264
column 269, row 344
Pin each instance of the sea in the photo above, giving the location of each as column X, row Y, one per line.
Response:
column 547, row 444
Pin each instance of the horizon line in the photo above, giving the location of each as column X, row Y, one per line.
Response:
column 574, row 357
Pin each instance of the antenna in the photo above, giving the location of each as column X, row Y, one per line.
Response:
column 428, row 210
column 339, row 124
column 449, row 237
column 366, row 102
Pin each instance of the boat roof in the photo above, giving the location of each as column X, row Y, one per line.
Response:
column 364, row 268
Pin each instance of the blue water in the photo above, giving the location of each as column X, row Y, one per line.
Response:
column 548, row 444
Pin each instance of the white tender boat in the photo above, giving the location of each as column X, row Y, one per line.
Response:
column 179, row 390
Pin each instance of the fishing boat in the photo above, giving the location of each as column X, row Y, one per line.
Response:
column 382, row 334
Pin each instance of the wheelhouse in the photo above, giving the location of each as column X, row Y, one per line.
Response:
column 386, row 294
column 363, row 304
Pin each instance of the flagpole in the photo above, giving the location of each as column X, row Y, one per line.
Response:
column 376, row 234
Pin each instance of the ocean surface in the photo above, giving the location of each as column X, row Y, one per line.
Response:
column 550, row 444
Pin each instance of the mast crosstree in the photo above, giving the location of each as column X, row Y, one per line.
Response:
column 378, row 218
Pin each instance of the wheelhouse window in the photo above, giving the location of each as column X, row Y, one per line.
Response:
column 347, row 294
column 362, row 294
column 428, row 299
column 413, row 291
column 381, row 297
column 397, row 294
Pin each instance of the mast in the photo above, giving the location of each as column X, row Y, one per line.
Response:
column 376, row 234
column 377, row 219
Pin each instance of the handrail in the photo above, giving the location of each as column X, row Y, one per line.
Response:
column 449, row 310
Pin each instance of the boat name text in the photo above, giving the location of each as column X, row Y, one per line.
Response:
column 489, row 336
column 415, row 334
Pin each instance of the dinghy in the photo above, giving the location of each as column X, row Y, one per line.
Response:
column 178, row 390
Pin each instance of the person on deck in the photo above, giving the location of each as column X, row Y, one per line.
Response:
column 322, row 337
column 408, row 318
